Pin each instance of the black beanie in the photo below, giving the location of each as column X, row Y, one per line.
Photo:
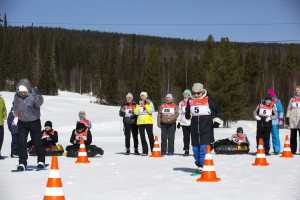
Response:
column 48, row 123
column 239, row 130
column 80, row 126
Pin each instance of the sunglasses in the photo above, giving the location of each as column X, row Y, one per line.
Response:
column 197, row 93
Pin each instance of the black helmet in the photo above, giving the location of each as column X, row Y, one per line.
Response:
column 239, row 130
column 80, row 126
column 48, row 124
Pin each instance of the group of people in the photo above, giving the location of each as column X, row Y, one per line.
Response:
column 24, row 119
column 196, row 114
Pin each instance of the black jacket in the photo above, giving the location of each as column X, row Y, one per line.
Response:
column 128, row 120
column 53, row 136
column 88, row 140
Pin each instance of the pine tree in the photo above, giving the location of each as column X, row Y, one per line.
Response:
column 152, row 75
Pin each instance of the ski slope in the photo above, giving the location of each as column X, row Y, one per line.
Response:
column 117, row 176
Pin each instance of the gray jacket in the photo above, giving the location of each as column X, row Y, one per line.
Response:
column 28, row 108
column 293, row 113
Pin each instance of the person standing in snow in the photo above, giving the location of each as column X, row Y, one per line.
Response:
column 293, row 118
column 27, row 104
column 185, row 123
column 13, row 128
column 166, row 120
column 203, row 114
column 144, row 111
column 3, row 115
column 278, row 122
column 264, row 113
column 129, row 124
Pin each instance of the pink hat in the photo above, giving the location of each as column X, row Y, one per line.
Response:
column 271, row 92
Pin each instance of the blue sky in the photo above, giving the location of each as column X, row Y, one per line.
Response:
column 161, row 17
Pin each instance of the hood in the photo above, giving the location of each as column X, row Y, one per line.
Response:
column 26, row 83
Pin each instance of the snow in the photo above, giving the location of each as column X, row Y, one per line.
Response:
column 116, row 176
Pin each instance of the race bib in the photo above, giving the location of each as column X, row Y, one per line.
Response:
column 198, row 110
column 170, row 111
column 143, row 111
column 128, row 112
column 296, row 103
column 265, row 112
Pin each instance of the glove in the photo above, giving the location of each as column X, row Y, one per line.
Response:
column 178, row 125
column 217, row 122
column 15, row 121
column 258, row 118
column 268, row 119
column 287, row 121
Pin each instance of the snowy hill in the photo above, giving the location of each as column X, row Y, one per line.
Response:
column 116, row 176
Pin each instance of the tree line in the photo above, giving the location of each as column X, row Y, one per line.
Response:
column 109, row 65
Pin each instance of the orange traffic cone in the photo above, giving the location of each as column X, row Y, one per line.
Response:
column 287, row 153
column 208, row 173
column 156, row 149
column 54, row 190
column 82, row 154
column 260, row 159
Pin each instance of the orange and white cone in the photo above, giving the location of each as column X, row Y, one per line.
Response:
column 260, row 159
column 287, row 153
column 54, row 190
column 82, row 154
column 208, row 173
column 156, row 149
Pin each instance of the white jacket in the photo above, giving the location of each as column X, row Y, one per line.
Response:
column 181, row 109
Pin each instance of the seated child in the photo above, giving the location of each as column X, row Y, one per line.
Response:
column 84, row 120
column 49, row 140
column 237, row 144
column 82, row 132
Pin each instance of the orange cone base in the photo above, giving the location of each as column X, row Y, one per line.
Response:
column 82, row 160
column 286, row 155
column 156, row 155
column 54, row 198
column 208, row 177
column 260, row 163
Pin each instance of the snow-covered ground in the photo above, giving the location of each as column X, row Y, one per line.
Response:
column 116, row 176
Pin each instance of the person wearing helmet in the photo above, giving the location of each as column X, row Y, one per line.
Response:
column 185, row 123
column 264, row 113
column 83, row 119
column 239, row 137
column 203, row 114
column 166, row 120
column 129, row 124
column 144, row 111
column 27, row 106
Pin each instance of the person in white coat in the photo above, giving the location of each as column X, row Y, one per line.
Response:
column 185, row 123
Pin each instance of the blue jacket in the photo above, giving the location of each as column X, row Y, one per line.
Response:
column 280, row 111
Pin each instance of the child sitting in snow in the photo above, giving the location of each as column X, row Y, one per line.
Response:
column 82, row 132
column 84, row 120
column 239, row 137
column 238, row 143
column 49, row 140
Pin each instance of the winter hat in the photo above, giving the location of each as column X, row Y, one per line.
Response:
column 129, row 94
column 271, row 92
column 144, row 94
column 48, row 124
column 80, row 126
column 198, row 87
column 187, row 93
column 81, row 114
column 239, row 130
column 22, row 88
column 169, row 96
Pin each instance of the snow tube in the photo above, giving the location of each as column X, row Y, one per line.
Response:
column 227, row 146
column 51, row 150
column 92, row 151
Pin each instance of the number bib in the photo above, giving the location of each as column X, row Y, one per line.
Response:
column 129, row 110
column 168, row 109
column 143, row 110
column 295, row 103
column 200, row 107
column 265, row 111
